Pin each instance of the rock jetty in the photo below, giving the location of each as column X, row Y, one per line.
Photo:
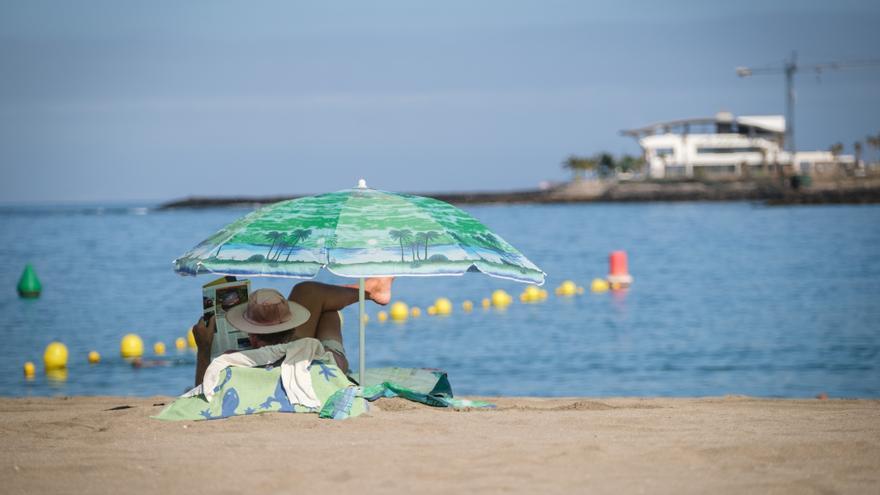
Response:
column 770, row 191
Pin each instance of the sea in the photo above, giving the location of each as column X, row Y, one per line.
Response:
column 731, row 298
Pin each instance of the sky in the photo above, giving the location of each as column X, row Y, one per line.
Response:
column 121, row 101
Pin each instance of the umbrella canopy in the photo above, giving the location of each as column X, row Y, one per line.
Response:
column 357, row 233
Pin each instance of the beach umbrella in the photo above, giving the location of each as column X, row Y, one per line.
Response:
column 358, row 233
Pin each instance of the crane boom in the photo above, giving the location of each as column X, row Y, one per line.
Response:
column 790, row 68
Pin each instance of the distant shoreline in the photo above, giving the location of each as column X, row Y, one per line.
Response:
column 772, row 192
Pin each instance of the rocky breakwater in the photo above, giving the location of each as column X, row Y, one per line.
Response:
column 774, row 191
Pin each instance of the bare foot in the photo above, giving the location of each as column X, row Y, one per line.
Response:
column 378, row 289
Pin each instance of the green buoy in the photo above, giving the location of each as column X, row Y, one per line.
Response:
column 29, row 285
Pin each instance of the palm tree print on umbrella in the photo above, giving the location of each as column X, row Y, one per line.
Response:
column 273, row 236
column 414, row 248
column 329, row 243
column 289, row 243
column 377, row 233
column 403, row 236
column 426, row 238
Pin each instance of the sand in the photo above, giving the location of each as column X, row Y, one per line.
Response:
column 527, row 445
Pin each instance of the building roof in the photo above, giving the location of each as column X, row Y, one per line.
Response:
column 769, row 123
column 772, row 123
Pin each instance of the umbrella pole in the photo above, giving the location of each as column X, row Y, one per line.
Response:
column 362, row 358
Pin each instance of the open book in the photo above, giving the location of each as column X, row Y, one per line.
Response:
column 217, row 297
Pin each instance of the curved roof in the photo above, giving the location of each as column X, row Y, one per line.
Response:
column 770, row 123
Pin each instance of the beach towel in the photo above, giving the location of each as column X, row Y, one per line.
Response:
column 295, row 377
column 424, row 385
column 244, row 391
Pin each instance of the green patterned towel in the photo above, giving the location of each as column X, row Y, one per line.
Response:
column 428, row 386
column 243, row 391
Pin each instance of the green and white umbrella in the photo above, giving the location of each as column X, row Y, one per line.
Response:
column 358, row 233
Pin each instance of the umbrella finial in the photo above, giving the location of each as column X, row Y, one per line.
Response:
column 362, row 184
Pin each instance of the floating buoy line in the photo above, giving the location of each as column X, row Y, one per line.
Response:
column 131, row 346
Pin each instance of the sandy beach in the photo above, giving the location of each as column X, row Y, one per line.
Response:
column 526, row 445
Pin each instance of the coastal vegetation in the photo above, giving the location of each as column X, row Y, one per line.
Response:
column 872, row 142
column 602, row 165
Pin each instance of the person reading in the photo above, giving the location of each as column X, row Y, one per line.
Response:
column 310, row 311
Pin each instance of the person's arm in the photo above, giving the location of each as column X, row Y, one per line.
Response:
column 204, row 335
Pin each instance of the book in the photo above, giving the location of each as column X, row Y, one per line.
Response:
column 217, row 297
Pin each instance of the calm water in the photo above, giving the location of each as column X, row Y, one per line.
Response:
column 730, row 298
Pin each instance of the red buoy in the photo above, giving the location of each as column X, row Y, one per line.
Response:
column 618, row 272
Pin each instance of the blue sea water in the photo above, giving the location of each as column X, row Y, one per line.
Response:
column 728, row 298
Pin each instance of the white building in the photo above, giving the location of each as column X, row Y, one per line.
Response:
column 726, row 145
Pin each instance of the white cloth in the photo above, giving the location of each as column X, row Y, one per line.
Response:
column 295, row 376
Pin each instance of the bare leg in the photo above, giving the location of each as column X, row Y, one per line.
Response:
column 330, row 328
column 320, row 298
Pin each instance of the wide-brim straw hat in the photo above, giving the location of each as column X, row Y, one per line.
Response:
column 267, row 311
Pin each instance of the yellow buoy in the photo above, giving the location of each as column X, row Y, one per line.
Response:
column 485, row 303
column 159, row 348
column 29, row 369
column 443, row 305
column 415, row 312
column 467, row 306
column 567, row 288
column 55, row 356
column 432, row 310
column 501, row 299
column 366, row 318
column 191, row 339
column 94, row 357
column 399, row 311
column 131, row 346
column 543, row 294
column 580, row 290
column 382, row 316
column 599, row 285
column 531, row 294
column 180, row 343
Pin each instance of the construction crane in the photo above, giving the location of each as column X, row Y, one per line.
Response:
column 789, row 68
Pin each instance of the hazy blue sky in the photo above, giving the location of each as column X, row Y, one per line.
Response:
column 116, row 100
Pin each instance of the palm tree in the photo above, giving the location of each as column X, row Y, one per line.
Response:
column 857, row 148
column 296, row 237
column 413, row 248
column 420, row 238
column 629, row 163
column 427, row 238
column 403, row 237
column 607, row 165
column 836, row 149
column 289, row 243
column 329, row 242
column 578, row 165
column 873, row 141
column 274, row 236
column 303, row 234
column 283, row 244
